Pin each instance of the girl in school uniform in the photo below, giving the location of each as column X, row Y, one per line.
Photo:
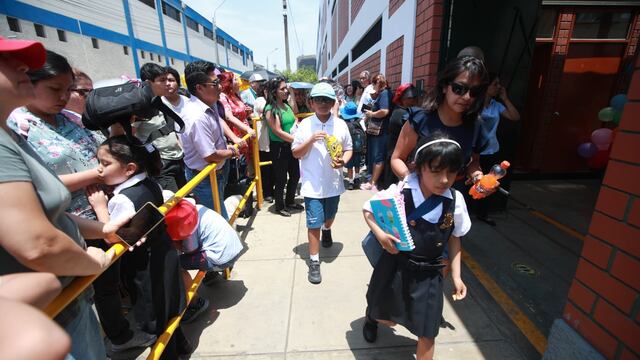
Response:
column 406, row 287
column 153, row 268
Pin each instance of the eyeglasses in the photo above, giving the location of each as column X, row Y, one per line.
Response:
column 323, row 100
column 214, row 83
column 82, row 92
column 461, row 89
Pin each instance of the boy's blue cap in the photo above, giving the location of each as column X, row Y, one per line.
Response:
column 323, row 90
column 349, row 111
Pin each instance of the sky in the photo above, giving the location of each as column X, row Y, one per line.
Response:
column 259, row 25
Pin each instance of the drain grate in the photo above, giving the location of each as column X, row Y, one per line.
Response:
column 524, row 269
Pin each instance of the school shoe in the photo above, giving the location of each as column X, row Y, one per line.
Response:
column 210, row 278
column 283, row 212
column 350, row 186
column 326, row 241
column 294, row 206
column 139, row 339
column 356, row 183
column 370, row 330
column 197, row 307
column 314, row 272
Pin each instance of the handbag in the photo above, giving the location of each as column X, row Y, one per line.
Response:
column 374, row 126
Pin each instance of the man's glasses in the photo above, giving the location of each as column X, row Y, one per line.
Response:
column 461, row 89
column 82, row 92
column 214, row 83
column 323, row 100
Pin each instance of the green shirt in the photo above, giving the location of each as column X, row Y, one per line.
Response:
column 287, row 120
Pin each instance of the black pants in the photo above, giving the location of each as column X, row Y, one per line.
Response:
column 284, row 163
column 172, row 175
column 267, row 174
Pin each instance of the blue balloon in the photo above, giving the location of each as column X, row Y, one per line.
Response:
column 587, row 150
column 617, row 102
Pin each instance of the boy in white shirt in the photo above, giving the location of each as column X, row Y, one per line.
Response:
column 322, row 181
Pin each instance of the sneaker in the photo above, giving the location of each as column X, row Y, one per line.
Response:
column 370, row 330
column 138, row 340
column 210, row 278
column 194, row 309
column 327, row 241
column 314, row 272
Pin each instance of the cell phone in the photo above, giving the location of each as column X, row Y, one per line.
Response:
column 366, row 107
column 147, row 218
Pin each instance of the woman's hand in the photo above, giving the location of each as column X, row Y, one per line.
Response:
column 238, row 141
column 460, row 289
column 96, row 197
column 101, row 257
column 250, row 131
column 388, row 243
column 109, row 229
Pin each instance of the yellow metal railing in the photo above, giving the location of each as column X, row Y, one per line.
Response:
column 79, row 284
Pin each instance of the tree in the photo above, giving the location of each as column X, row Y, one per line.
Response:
column 304, row 74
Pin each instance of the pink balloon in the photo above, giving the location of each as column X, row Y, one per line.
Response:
column 602, row 137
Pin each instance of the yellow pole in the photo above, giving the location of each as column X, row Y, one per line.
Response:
column 242, row 202
column 256, row 163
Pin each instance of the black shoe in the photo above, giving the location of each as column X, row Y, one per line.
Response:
column 197, row 307
column 295, row 206
column 268, row 199
column 350, row 186
column 210, row 278
column 487, row 220
column 314, row 272
column 183, row 346
column 283, row 212
column 356, row 183
column 370, row 330
column 326, row 241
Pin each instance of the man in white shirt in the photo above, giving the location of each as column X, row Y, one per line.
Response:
column 322, row 181
column 250, row 95
column 365, row 99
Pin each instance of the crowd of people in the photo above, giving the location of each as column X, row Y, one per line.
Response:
column 76, row 187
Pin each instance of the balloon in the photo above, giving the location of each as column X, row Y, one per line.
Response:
column 617, row 115
column 602, row 137
column 599, row 160
column 587, row 150
column 606, row 114
column 617, row 102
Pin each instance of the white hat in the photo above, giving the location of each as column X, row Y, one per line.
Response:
column 256, row 77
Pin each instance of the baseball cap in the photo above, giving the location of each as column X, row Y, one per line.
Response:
column 406, row 90
column 181, row 220
column 31, row 53
column 323, row 90
column 256, row 77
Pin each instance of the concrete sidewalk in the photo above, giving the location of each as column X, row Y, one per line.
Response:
column 268, row 309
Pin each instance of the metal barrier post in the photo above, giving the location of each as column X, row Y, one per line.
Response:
column 213, row 177
column 256, row 164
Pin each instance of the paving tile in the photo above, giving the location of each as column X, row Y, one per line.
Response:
column 269, row 236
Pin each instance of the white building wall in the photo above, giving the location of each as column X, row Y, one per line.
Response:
column 201, row 46
column 106, row 62
column 146, row 25
column 174, row 35
column 235, row 60
column 103, row 13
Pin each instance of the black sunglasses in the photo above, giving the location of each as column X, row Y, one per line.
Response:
column 461, row 89
column 82, row 92
column 214, row 83
column 323, row 100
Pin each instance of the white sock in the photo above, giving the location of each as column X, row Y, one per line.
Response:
column 314, row 257
column 324, row 227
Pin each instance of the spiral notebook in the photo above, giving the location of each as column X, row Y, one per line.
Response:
column 390, row 216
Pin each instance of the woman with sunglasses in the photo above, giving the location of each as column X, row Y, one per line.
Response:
column 281, row 119
column 451, row 107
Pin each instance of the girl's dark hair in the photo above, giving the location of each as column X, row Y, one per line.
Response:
column 54, row 65
column 476, row 70
column 272, row 93
column 356, row 85
column 131, row 150
column 151, row 71
column 439, row 156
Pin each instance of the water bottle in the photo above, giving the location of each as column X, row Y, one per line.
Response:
column 489, row 182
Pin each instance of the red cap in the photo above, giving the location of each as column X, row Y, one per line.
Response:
column 31, row 53
column 400, row 92
column 181, row 220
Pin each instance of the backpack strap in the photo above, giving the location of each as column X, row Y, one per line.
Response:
column 170, row 118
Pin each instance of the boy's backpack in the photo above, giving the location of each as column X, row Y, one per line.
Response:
column 358, row 136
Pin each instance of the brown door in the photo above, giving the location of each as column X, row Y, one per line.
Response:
column 588, row 82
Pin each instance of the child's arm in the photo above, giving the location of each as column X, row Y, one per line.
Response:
column 301, row 150
column 455, row 257
column 386, row 241
column 79, row 180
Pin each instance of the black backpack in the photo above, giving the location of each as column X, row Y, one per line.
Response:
column 116, row 104
column 358, row 136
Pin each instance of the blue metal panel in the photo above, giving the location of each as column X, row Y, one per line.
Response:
column 132, row 43
column 162, row 34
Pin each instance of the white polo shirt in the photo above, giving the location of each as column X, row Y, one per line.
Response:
column 319, row 179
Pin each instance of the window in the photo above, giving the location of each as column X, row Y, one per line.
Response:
column 208, row 33
column 368, row 40
column 192, row 24
column 142, row 54
column 547, row 23
column 235, row 49
column 62, row 36
column 170, row 11
column 220, row 40
column 343, row 64
column 95, row 43
column 151, row 3
column 14, row 24
column 151, row 56
column 334, row 73
column 601, row 25
column 159, row 58
column 40, row 30
column 125, row 50
column 172, row 61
